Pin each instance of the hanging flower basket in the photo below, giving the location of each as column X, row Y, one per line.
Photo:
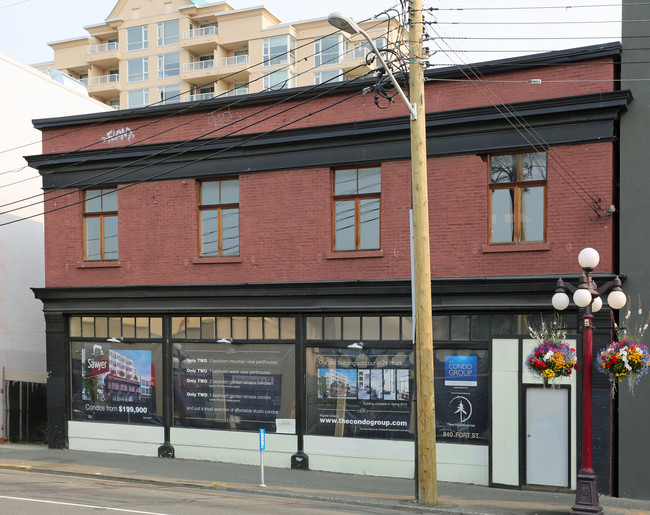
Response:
column 625, row 359
column 551, row 360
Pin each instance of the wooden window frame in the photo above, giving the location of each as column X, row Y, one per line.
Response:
column 219, row 209
column 357, row 198
column 518, row 186
column 101, row 215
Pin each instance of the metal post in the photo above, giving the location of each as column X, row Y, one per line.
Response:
column 587, row 488
column 426, row 421
column 166, row 450
column 262, row 447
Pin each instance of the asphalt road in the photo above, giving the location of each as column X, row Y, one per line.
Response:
column 26, row 493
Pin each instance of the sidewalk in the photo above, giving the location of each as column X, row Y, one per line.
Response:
column 352, row 490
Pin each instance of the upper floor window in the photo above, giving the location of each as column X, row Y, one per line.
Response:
column 169, row 94
column 219, row 218
column 279, row 50
column 280, row 79
column 168, row 33
column 356, row 200
column 137, row 70
column 328, row 50
column 137, row 38
column 361, row 49
column 169, row 65
column 518, row 198
column 138, row 97
column 329, row 76
column 100, row 225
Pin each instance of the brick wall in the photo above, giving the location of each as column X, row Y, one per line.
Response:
column 286, row 235
column 557, row 81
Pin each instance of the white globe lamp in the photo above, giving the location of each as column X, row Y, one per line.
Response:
column 582, row 297
column 596, row 304
column 616, row 299
column 560, row 301
column 588, row 258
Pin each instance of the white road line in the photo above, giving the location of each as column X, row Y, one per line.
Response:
column 80, row 505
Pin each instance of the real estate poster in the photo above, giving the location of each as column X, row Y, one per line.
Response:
column 352, row 393
column 461, row 389
column 247, row 386
column 114, row 384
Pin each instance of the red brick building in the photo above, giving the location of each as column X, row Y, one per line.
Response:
column 241, row 245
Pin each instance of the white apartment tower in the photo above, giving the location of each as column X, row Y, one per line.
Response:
column 167, row 51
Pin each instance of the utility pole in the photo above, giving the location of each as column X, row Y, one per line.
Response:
column 426, row 417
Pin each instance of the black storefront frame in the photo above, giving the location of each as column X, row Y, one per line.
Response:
column 454, row 295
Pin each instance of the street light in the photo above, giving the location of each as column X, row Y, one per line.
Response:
column 587, row 296
column 343, row 22
column 427, row 486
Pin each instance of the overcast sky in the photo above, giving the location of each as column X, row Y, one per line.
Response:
column 506, row 27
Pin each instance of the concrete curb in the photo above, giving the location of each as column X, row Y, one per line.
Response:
column 312, row 495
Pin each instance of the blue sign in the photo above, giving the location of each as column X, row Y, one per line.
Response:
column 262, row 439
column 461, row 371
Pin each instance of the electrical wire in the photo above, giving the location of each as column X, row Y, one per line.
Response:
column 166, row 130
column 537, row 141
column 212, row 155
column 201, row 139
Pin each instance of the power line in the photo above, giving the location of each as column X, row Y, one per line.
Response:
column 158, row 120
column 521, row 8
column 538, row 141
column 212, row 155
column 202, row 142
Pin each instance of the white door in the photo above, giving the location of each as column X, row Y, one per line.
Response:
column 547, row 436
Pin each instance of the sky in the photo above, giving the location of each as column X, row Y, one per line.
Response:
column 464, row 30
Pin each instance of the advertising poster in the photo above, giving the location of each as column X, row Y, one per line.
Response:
column 353, row 393
column 114, row 384
column 225, row 386
column 461, row 389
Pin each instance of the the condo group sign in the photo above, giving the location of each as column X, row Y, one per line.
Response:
column 461, row 386
column 365, row 394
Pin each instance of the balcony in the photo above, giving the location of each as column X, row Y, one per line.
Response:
column 207, row 96
column 202, row 72
column 104, row 86
column 105, row 55
column 200, row 41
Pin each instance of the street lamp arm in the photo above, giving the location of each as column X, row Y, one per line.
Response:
column 613, row 285
column 342, row 22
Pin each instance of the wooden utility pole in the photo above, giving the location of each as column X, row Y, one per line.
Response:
column 426, row 418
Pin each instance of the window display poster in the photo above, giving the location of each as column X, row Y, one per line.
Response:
column 461, row 389
column 239, row 387
column 365, row 394
column 115, row 384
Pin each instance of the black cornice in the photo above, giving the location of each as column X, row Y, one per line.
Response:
column 558, row 121
column 497, row 293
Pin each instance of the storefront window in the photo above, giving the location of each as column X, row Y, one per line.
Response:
column 238, row 387
column 365, row 394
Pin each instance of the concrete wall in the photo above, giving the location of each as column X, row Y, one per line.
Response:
column 634, row 452
column 26, row 94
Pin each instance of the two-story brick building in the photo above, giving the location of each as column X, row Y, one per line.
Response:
column 236, row 251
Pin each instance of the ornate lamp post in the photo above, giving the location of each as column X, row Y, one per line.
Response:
column 588, row 296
